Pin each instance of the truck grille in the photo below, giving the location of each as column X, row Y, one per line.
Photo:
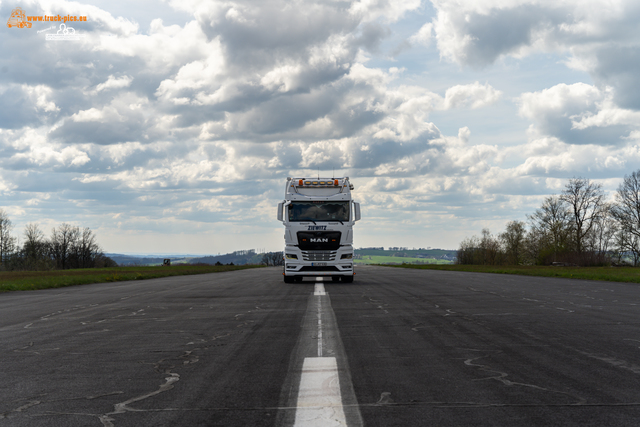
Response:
column 319, row 255
column 319, row 240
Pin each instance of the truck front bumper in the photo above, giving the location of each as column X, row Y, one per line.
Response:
column 318, row 270
column 318, row 263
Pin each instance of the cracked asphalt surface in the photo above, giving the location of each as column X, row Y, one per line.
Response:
column 423, row 348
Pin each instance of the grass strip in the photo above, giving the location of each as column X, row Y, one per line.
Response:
column 32, row 280
column 610, row 274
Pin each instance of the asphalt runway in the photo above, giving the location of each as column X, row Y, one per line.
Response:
column 397, row 347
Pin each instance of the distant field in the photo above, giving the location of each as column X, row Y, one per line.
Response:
column 611, row 274
column 378, row 259
column 31, row 280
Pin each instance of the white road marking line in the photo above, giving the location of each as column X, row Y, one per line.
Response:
column 320, row 327
column 319, row 399
column 319, row 289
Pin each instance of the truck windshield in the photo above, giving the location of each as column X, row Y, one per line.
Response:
column 319, row 211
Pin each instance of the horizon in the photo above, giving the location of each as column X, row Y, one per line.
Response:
column 171, row 127
column 160, row 255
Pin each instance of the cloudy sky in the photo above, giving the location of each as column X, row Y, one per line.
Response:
column 172, row 126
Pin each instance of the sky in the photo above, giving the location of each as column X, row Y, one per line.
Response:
column 171, row 126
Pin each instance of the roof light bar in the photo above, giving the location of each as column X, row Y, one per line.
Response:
column 332, row 182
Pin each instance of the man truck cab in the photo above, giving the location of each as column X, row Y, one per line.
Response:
column 318, row 215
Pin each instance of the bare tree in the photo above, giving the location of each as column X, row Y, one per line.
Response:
column 62, row 240
column 585, row 200
column 627, row 208
column 633, row 246
column 83, row 249
column 35, row 250
column 277, row 258
column 625, row 244
column 534, row 244
column 490, row 247
column 483, row 250
column 513, row 240
column 272, row 258
column 601, row 238
column 469, row 251
column 550, row 227
column 87, row 248
column 265, row 259
column 68, row 247
column 7, row 242
column 32, row 236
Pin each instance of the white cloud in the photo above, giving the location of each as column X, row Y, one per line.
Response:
column 41, row 96
column 599, row 37
column 477, row 33
column 389, row 10
column 608, row 117
column 474, row 95
column 163, row 49
column 198, row 82
column 424, row 35
column 572, row 160
column 281, row 79
column 45, row 154
column 560, row 100
column 93, row 115
column 115, row 83
column 578, row 114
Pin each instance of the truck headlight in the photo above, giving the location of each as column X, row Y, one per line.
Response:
column 346, row 256
column 291, row 256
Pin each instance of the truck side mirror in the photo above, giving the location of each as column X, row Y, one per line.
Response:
column 280, row 206
column 356, row 211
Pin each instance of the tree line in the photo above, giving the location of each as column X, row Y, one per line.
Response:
column 67, row 247
column 272, row 259
column 577, row 227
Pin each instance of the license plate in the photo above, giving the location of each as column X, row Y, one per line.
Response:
column 318, row 264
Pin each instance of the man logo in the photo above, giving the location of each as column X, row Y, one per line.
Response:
column 319, row 240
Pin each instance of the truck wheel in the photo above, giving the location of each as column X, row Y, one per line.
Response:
column 298, row 278
column 335, row 278
column 288, row 279
column 347, row 279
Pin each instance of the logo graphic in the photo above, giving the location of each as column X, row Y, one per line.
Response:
column 319, row 240
column 18, row 19
column 65, row 33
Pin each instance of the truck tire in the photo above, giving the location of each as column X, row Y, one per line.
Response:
column 347, row 279
column 288, row 279
column 335, row 278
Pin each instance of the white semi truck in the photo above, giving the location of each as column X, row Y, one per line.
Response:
column 318, row 216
